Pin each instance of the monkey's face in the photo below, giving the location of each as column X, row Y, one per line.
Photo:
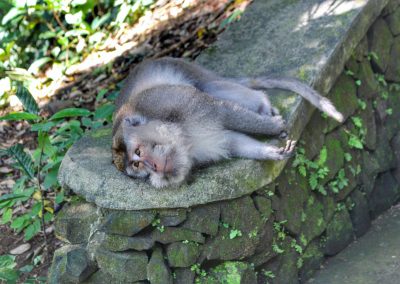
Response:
column 155, row 150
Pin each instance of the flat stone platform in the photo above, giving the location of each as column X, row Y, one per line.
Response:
column 310, row 40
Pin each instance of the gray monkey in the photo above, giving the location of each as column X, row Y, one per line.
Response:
column 172, row 115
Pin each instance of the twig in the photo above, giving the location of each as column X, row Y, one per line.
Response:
column 59, row 21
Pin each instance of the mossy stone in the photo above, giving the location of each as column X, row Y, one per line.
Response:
column 263, row 252
column 230, row 272
column 157, row 271
column 393, row 21
column 380, row 41
column 70, row 264
column 204, row 219
column 369, row 87
column 123, row 266
column 172, row 217
column 312, row 135
column 123, row 243
column 392, row 125
column 335, row 157
column 312, row 257
column 386, row 192
column 182, row 254
column 75, row 221
column 176, row 234
column 184, row 276
column 359, row 213
column 369, row 125
column 126, row 223
column 314, row 218
column 343, row 96
column 393, row 71
column 383, row 152
column 339, row 233
column 263, row 206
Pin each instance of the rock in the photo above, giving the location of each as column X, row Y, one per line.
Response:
column 126, row 223
column 230, row 272
column 351, row 173
column 263, row 252
column 390, row 8
column 335, row 157
column 386, row 192
column 380, row 41
column 359, row 213
column 393, row 70
column 123, row 266
column 171, row 235
column 343, row 96
column 392, row 125
column 172, row 217
column 70, row 264
column 314, row 218
column 263, row 206
column 369, row 87
column 311, row 136
column 396, row 149
column 157, row 271
column 20, row 249
column 238, row 216
column 184, row 276
column 368, row 119
column 293, row 194
column 383, row 152
column 123, row 243
column 182, row 254
column 284, row 266
column 339, row 233
column 204, row 219
column 75, row 221
column 312, row 260
column 241, row 214
column 370, row 168
column 101, row 277
column 393, row 22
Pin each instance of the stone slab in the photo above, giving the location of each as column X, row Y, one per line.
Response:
column 310, row 40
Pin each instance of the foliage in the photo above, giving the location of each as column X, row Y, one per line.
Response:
column 39, row 168
column 315, row 170
column 10, row 274
column 35, row 34
column 357, row 137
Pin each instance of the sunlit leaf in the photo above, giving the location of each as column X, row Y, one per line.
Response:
column 20, row 116
column 70, row 112
column 35, row 66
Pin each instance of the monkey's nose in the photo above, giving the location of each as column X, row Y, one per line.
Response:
column 152, row 166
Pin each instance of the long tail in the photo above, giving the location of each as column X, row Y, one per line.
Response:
column 298, row 87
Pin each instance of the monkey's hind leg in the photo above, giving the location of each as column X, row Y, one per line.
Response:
column 243, row 146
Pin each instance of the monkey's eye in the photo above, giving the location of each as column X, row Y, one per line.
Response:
column 137, row 152
column 136, row 164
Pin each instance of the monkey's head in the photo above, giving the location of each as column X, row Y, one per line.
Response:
column 152, row 149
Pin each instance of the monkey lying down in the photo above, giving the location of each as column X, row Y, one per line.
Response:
column 172, row 115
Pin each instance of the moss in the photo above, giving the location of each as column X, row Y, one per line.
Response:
column 101, row 132
column 230, row 272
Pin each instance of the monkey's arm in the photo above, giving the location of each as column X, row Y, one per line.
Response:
column 243, row 146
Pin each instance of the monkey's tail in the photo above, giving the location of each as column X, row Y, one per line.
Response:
column 298, row 87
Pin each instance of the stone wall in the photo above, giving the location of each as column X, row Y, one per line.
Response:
column 342, row 177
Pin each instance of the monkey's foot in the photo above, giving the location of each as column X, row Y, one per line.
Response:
column 288, row 150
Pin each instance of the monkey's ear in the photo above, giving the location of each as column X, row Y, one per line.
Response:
column 134, row 120
column 118, row 159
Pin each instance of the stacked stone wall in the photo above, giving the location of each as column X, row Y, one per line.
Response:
column 342, row 177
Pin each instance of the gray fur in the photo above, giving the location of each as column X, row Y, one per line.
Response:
column 176, row 115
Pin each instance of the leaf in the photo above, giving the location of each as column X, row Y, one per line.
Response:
column 59, row 197
column 45, row 144
column 105, row 111
column 12, row 14
column 323, row 155
column 23, row 159
column 355, row 142
column 32, row 230
column 74, row 19
column 76, row 33
column 313, row 181
column 27, row 99
column 347, row 157
column 35, row 66
column 98, row 22
column 7, row 215
column 20, row 74
column 11, row 196
column 51, row 177
column 303, row 171
column 20, row 116
column 70, row 112
column 19, row 222
column 45, row 126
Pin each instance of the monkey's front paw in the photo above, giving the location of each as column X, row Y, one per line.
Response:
column 288, row 150
column 278, row 123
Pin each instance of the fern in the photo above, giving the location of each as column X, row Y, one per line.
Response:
column 23, row 159
column 27, row 100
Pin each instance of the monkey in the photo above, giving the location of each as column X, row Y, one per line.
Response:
column 172, row 115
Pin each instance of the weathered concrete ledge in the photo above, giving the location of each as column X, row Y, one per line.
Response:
column 310, row 40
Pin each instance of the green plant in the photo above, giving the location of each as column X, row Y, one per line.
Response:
column 339, row 182
column 357, row 138
column 39, row 168
column 10, row 274
column 315, row 170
